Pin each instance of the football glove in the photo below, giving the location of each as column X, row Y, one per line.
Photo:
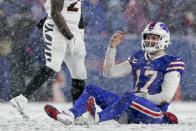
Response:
column 71, row 46
column 82, row 33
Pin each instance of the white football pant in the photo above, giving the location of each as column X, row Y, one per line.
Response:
column 56, row 50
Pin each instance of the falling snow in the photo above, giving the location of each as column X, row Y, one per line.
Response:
column 10, row 120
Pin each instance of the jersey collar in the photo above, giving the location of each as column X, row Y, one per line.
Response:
column 147, row 57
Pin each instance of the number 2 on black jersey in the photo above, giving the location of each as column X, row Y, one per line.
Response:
column 72, row 7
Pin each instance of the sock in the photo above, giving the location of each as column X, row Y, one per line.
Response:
column 70, row 114
column 41, row 77
column 77, row 88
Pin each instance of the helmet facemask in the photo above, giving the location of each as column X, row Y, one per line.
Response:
column 151, row 45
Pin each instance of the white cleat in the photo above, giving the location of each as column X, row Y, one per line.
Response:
column 20, row 102
column 63, row 117
column 81, row 121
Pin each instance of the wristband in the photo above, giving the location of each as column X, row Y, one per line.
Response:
column 69, row 36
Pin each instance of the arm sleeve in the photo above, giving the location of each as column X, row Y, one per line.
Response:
column 169, row 87
column 111, row 70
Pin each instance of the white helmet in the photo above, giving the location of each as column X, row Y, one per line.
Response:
column 160, row 29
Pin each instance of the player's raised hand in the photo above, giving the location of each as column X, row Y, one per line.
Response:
column 116, row 39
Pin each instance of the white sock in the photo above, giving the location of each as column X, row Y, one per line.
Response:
column 70, row 114
column 96, row 118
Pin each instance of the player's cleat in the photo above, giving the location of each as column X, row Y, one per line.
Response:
column 80, row 121
column 90, row 106
column 93, row 117
column 51, row 111
column 63, row 117
column 170, row 118
column 20, row 103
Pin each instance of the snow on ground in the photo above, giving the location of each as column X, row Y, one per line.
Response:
column 39, row 121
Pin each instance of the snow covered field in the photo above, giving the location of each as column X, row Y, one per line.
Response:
column 39, row 121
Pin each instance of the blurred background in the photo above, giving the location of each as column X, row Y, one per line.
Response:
column 22, row 44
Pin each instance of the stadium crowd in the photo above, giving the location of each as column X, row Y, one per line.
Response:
column 131, row 16
column 22, row 44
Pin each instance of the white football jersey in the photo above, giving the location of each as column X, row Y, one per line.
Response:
column 71, row 10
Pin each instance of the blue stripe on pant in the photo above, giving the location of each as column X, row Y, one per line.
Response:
column 113, row 106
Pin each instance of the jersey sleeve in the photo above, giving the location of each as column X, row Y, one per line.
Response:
column 177, row 64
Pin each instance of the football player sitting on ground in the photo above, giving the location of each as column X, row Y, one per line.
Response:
column 156, row 77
